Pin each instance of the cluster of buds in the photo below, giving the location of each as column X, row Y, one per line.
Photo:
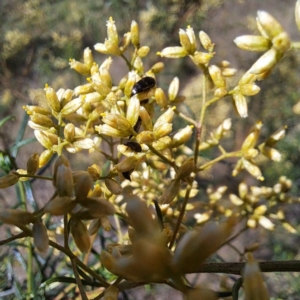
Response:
column 189, row 47
column 249, row 152
column 275, row 41
column 259, row 203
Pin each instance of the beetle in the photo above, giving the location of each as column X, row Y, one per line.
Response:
column 143, row 86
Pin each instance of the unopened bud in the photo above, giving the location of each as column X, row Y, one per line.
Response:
column 72, row 106
column 8, row 180
column 134, row 30
column 145, row 137
column 59, row 205
column 256, row 43
column 170, row 192
column 16, row 217
column 166, row 117
column 202, row 58
column 126, row 165
column 80, row 235
column 158, row 67
column 40, row 236
column 186, row 168
column 113, row 186
column 45, row 157
column 143, row 51
column 182, row 136
column 88, row 57
column 173, row 52
column 52, row 99
column 79, row 67
column 240, row 103
column 266, row 62
column 268, row 24
column 206, row 41
column 185, row 41
column 33, row 164
column 162, row 130
column 216, row 76
column 161, row 98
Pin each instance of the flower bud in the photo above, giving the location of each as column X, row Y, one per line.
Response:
column 126, row 165
column 191, row 34
column 166, row 117
column 112, row 33
column 133, row 110
column 182, row 136
column 94, row 226
column 163, row 130
column 143, row 51
column 216, row 76
column 8, row 180
column 132, row 78
column 146, row 119
column 240, row 104
column 96, row 208
column 113, row 186
column 161, row 98
column 40, row 236
column 83, row 183
column 185, row 41
column 206, row 41
column 252, row 169
column 105, row 77
column 83, row 89
column 33, row 164
column 52, row 98
column 173, row 52
column 158, row 67
column 79, row 67
column 110, row 131
column 268, row 24
column 88, row 57
column 100, row 47
column 72, row 106
column 254, row 286
column 125, row 42
column 266, row 62
column 256, row 43
column 64, row 181
column 170, row 192
column 45, row 157
column 16, row 217
column 41, row 120
column 30, row 109
column 186, row 168
column 134, row 30
column 105, row 223
column 80, row 235
column 83, row 143
column 69, row 132
column 252, row 138
column 59, row 205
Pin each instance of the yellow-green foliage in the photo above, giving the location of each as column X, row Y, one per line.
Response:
column 144, row 172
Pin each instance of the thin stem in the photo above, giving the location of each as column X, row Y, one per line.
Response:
column 181, row 215
column 13, row 238
column 165, row 159
column 78, row 280
column 221, row 157
column 186, row 118
column 35, row 176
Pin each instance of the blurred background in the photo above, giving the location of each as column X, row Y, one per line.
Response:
column 38, row 37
